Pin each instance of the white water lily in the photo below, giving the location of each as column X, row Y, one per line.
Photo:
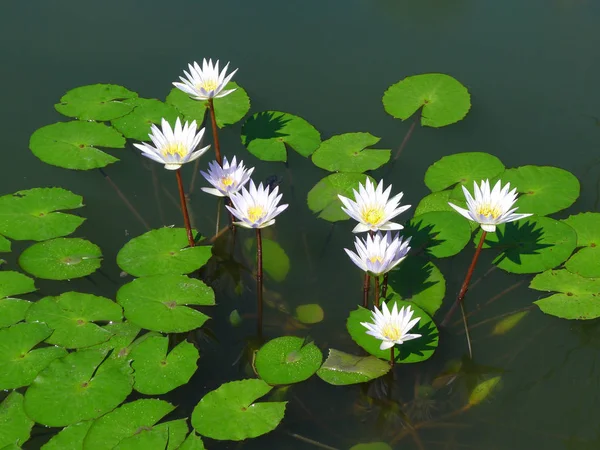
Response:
column 228, row 179
column 392, row 328
column 490, row 208
column 174, row 147
column 372, row 209
column 380, row 253
column 256, row 207
column 203, row 83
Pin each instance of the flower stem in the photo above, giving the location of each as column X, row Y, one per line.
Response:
column 384, row 285
column 259, row 280
column 465, row 285
column 211, row 108
column 366, row 290
column 377, row 290
column 184, row 210
column 392, row 356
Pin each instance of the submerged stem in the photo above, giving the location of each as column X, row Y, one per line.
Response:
column 384, row 285
column 184, row 210
column 259, row 281
column 122, row 196
column 211, row 108
column 366, row 290
column 377, row 290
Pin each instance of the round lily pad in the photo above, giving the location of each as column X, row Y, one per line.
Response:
column 266, row 134
column 462, row 168
column 99, row 102
column 70, row 437
column 15, row 283
column 162, row 251
column 158, row 303
column 228, row 110
column 156, row 372
column 73, row 145
column 136, row 125
column 349, row 153
column 122, row 335
column 5, row 246
column 415, row 350
column 436, row 201
column 586, row 262
column 29, row 215
column 310, row 313
column 276, row 262
column 20, row 364
column 15, row 426
column 323, row 197
column 164, row 436
column 193, row 442
column 61, row 259
column 12, row 311
column 230, row 412
column 72, row 315
column 444, row 99
column 287, row 360
column 342, row 368
column 438, row 233
column 81, row 386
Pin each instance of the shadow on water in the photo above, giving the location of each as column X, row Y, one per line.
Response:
column 264, row 125
column 517, row 239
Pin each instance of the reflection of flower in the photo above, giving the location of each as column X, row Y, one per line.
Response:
column 256, row 208
column 490, row 208
column 380, row 253
column 174, row 147
column 372, row 209
column 392, row 328
column 228, row 179
column 206, row 82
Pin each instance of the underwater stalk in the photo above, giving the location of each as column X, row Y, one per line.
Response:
column 384, row 285
column 259, row 281
column 377, row 290
column 184, row 210
column 213, row 120
column 408, row 134
column 366, row 290
column 122, row 196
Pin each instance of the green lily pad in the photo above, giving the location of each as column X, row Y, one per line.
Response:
column 483, row 390
column 162, row 251
column 349, row 153
column 29, row 215
column 61, row 259
column 586, row 262
column 415, row 350
column 164, row 436
column 323, row 197
column 99, row 102
column 158, row 373
column 372, row 446
column 229, row 412
column 436, row 201
column 438, row 233
column 73, row 145
column 342, row 368
column 122, row 335
column 193, row 442
column 462, row 168
column 158, row 303
column 12, row 311
column 444, row 99
column 287, row 360
column 80, row 386
column 531, row 245
column 20, row 364
column 72, row 315
column 136, row 125
column 15, row 426
column 5, row 246
column 228, row 110
column 70, row 437
column 310, row 313
column 276, row 262
column 266, row 134
column 15, row 283
column 509, row 322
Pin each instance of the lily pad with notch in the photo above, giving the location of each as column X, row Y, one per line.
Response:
column 70, row 437
column 100, row 102
column 438, row 233
column 463, row 169
column 164, row 436
column 192, row 442
column 586, row 261
column 15, row 426
column 340, row 369
column 13, row 310
column 5, row 245
column 147, row 111
column 349, row 153
column 323, row 197
column 287, row 360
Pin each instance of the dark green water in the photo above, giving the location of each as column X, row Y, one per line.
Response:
column 532, row 69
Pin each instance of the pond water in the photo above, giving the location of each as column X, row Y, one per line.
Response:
column 532, row 69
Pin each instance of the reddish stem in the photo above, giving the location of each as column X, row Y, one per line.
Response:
column 384, row 285
column 213, row 120
column 366, row 290
column 259, row 280
column 377, row 291
column 184, row 210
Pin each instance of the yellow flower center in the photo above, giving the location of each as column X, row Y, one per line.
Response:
column 175, row 148
column 255, row 213
column 489, row 210
column 207, row 85
column 373, row 216
column 391, row 332
column 375, row 259
column 227, row 181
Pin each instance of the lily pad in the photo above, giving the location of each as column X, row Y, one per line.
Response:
column 349, row 153
column 276, row 262
column 12, row 311
column 586, row 262
column 266, row 135
column 5, row 246
column 158, row 373
column 193, row 442
column 483, row 390
column 122, row 335
column 323, row 197
column 164, row 436
column 438, row 233
column 230, row 412
column 15, row 283
column 136, row 125
column 61, row 259
column 462, row 168
column 81, row 386
column 29, row 215
column 342, row 368
column 310, row 313
column 415, row 350
column 162, row 251
column 72, row 315
column 436, row 201
column 73, row 145
column 15, row 426
column 509, row 322
column 287, row 360
column 158, row 303
column 99, row 102
column 444, row 99
column 70, row 437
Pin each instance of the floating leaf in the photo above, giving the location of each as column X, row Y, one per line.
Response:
column 61, row 259
column 372, row 446
column 172, row 433
column 287, row 360
column 229, row 412
column 158, row 303
column 99, row 102
column 436, row 201
column 342, row 368
column 72, row 315
column 73, row 145
column 444, row 100
column 586, row 262
column 508, row 323
column 323, row 197
column 12, row 310
column 137, row 124
column 15, row 283
column 15, row 426
column 193, row 442
column 275, row 261
column 81, row 386
column 70, row 437
column 438, row 233
column 122, row 335
column 310, row 313
column 266, row 134
column 462, row 168
column 4, row 245
column 162, row 251
column 349, row 153
column 483, row 390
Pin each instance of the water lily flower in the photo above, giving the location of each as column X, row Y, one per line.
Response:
column 206, row 82
column 378, row 254
column 489, row 209
column 372, row 209
column 256, row 207
column 392, row 328
column 228, row 179
column 174, row 147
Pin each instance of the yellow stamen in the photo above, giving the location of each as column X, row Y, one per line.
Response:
column 391, row 332
column 373, row 216
column 175, row 148
column 375, row 259
column 489, row 210
column 207, row 85
column 255, row 213
column 227, row 180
